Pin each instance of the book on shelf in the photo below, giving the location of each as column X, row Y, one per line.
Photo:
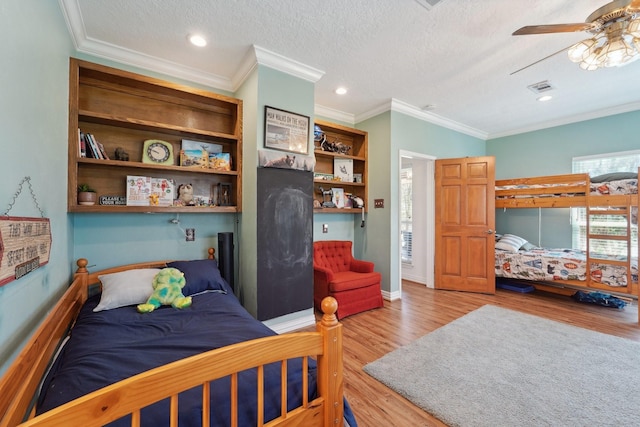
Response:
column 138, row 190
column 164, row 189
column 92, row 148
column 103, row 152
column 82, row 147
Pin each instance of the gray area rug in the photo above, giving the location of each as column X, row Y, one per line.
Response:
column 498, row 367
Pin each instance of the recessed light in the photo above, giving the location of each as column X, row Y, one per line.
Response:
column 341, row 90
column 545, row 98
column 197, row 40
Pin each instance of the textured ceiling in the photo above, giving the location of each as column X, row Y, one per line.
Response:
column 456, row 56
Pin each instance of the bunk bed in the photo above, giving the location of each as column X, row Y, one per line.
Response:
column 95, row 360
column 565, row 270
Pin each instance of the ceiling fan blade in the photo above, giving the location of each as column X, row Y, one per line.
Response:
column 539, row 61
column 554, row 28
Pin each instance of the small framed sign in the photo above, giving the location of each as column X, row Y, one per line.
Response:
column 286, row 131
column 25, row 245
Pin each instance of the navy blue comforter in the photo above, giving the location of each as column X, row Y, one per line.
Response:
column 108, row 346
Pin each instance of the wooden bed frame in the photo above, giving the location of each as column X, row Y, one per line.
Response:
column 19, row 386
column 570, row 191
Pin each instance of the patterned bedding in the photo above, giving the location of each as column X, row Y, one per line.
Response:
column 559, row 264
column 622, row 186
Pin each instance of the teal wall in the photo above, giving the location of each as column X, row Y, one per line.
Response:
column 34, row 74
column 549, row 152
column 264, row 87
column 34, row 108
column 389, row 133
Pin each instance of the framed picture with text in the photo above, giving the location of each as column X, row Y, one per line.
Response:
column 286, row 131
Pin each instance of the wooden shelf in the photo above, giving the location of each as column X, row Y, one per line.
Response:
column 123, row 109
column 344, row 156
column 357, row 140
column 338, row 210
column 150, row 166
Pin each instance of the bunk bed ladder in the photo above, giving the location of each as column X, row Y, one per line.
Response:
column 611, row 209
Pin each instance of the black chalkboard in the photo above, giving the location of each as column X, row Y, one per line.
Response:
column 285, row 242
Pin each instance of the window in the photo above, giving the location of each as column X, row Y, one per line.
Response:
column 616, row 225
column 406, row 212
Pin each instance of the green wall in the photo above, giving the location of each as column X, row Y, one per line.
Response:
column 389, row 133
column 35, row 53
column 34, row 106
column 264, row 87
column 549, row 152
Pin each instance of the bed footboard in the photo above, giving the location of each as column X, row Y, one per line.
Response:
column 19, row 386
column 130, row 395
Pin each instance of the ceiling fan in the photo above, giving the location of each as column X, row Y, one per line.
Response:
column 615, row 41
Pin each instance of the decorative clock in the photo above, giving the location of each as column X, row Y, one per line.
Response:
column 157, row 152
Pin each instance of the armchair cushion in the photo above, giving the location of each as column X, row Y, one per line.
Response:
column 352, row 280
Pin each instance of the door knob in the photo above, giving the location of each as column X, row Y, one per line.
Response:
column 489, row 231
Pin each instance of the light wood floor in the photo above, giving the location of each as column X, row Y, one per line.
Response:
column 370, row 335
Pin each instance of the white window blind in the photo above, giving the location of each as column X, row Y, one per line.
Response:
column 406, row 214
column 627, row 161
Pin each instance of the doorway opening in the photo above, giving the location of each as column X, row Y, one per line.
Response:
column 416, row 218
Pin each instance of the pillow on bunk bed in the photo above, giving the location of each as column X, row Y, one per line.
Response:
column 130, row 287
column 528, row 246
column 201, row 275
column 613, row 176
column 510, row 243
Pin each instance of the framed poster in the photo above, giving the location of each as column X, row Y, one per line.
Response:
column 343, row 169
column 286, row 131
column 338, row 197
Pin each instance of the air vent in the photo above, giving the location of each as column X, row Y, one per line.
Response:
column 543, row 86
column 428, row 4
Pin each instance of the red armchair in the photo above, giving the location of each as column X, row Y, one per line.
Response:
column 352, row 282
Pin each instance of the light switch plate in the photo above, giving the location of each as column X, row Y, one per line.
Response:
column 378, row 203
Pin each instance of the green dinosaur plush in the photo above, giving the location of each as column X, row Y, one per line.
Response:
column 167, row 289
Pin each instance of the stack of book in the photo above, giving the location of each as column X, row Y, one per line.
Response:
column 89, row 146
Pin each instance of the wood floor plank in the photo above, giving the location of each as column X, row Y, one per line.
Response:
column 370, row 335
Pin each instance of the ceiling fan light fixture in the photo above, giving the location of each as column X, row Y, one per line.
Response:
column 591, row 62
column 634, row 28
column 580, row 50
column 617, row 52
column 615, row 41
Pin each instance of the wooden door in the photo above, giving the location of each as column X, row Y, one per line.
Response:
column 465, row 224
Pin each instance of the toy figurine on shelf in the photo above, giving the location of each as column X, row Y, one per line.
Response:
column 185, row 194
column 327, row 198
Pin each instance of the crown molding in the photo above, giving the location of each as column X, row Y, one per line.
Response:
column 619, row 109
column 247, row 66
column 410, row 110
column 332, row 114
column 73, row 18
column 260, row 56
column 289, row 66
column 85, row 44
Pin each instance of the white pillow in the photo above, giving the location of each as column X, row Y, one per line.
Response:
column 126, row 288
column 510, row 243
